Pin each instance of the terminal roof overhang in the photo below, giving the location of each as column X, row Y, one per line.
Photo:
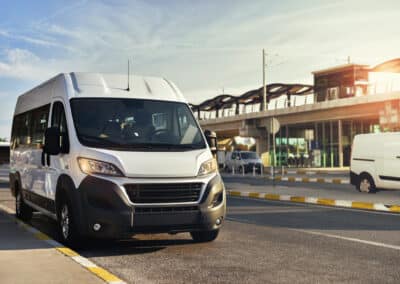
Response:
column 392, row 66
column 278, row 89
column 253, row 97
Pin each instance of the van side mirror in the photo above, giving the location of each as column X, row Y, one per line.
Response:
column 52, row 141
column 211, row 138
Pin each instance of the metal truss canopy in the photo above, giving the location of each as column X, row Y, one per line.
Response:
column 253, row 97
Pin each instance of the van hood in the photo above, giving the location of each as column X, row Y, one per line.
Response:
column 153, row 164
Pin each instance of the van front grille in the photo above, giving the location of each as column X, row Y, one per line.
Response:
column 145, row 210
column 164, row 192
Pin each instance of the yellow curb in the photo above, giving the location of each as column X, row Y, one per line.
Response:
column 305, row 179
column 291, row 179
column 278, row 178
column 254, row 194
column 362, row 205
column 320, row 201
column 395, row 208
column 272, row 196
column 325, row 201
column 67, row 251
column 103, row 274
column 300, row 172
column 301, row 199
column 337, row 181
column 41, row 236
column 320, row 180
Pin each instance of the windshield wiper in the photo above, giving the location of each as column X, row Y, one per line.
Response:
column 166, row 146
column 99, row 140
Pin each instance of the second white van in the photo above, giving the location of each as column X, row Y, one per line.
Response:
column 106, row 160
column 375, row 161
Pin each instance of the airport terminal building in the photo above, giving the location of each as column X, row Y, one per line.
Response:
column 316, row 122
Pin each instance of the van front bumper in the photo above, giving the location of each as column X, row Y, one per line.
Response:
column 105, row 203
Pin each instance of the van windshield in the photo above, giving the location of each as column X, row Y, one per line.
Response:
column 135, row 124
column 248, row 155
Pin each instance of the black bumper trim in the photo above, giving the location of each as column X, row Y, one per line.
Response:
column 104, row 202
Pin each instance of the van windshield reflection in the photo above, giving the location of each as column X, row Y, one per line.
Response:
column 135, row 124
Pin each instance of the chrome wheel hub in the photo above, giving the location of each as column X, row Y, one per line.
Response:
column 365, row 185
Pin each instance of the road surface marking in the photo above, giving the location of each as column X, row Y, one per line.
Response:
column 377, row 244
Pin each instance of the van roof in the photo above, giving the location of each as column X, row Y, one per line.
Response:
column 103, row 85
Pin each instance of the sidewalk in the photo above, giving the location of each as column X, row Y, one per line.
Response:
column 26, row 259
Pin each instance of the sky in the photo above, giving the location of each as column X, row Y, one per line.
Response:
column 205, row 47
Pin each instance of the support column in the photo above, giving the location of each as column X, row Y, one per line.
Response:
column 280, row 147
column 331, row 143
column 323, row 143
column 340, row 143
column 287, row 144
column 262, row 144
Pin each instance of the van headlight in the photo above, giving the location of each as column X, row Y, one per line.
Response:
column 89, row 166
column 208, row 167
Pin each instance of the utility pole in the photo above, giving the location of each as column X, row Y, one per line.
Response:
column 264, row 86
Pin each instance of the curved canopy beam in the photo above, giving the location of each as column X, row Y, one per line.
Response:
column 253, row 96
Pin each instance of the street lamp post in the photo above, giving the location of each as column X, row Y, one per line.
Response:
column 264, row 85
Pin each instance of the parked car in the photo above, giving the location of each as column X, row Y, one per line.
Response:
column 243, row 161
column 375, row 161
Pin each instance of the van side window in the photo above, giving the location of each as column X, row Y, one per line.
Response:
column 39, row 124
column 29, row 127
column 58, row 120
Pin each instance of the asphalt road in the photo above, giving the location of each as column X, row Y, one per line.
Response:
column 261, row 242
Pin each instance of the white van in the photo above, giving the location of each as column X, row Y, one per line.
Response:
column 246, row 161
column 108, row 161
column 375, row 161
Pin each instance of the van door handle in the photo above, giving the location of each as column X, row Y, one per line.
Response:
column 397, row 157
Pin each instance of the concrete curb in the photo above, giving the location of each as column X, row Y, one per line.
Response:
column 308, row 179
column 297, row 179
column 319, row 201
column 84, row 262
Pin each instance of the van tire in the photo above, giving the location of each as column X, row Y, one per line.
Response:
column 66, row 222
column 22, row 211
column 204, row 236
column 366, row 183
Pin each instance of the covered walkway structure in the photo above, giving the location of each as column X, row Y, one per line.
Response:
column 238, row 104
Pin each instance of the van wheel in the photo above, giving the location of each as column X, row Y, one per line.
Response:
column 66, row 222
column 204, row 236
column 22, row 210
column 366, row 184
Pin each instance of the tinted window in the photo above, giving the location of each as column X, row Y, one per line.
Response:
column 29, row 127
column 249, row 155
column 39, row 124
